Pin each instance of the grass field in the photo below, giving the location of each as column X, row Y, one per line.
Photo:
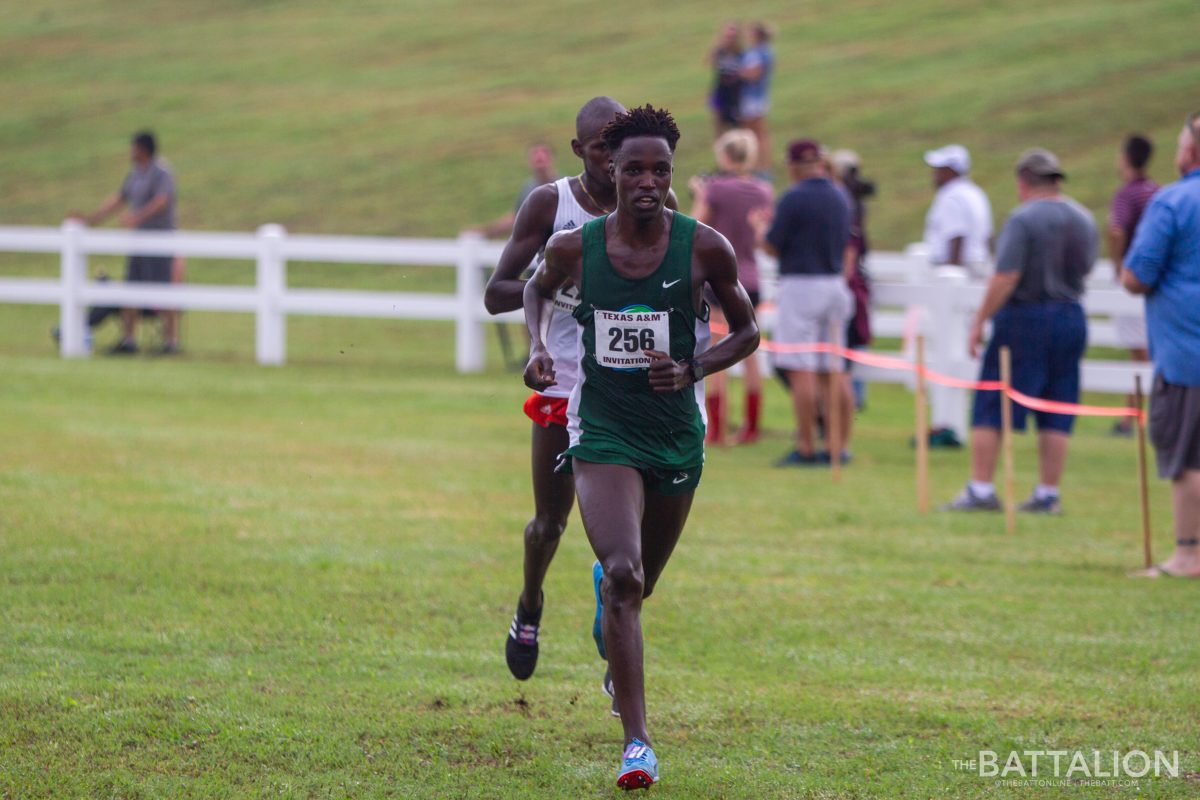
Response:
column 221, row 580
column 412, row 118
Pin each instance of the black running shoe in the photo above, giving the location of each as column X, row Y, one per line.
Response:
column 125, row 347
column 521, row 646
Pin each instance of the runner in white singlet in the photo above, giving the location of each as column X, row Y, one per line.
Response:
column 565, row 204
column 562, row 338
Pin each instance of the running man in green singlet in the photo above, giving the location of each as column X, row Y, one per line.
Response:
column 636, row 415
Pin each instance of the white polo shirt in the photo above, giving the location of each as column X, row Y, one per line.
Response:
column 960, row 208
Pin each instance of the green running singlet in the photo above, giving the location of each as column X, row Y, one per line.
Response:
column 614, row 417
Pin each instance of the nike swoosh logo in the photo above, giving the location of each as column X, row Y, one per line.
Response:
column 682, row 477
column 672, row 283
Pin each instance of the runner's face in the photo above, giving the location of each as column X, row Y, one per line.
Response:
column 642, row 170
column 596, row 157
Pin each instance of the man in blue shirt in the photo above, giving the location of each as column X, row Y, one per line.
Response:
column 810, row 233
column 1164, row 264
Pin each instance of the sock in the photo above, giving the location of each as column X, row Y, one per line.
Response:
column 531, row 618
column 1043, row 492
column 983, row 489
column 753, row 407
column 713, row 404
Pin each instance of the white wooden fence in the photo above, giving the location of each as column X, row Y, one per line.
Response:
column 908, row 295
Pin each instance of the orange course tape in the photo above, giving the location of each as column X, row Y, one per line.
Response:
column 891, row 362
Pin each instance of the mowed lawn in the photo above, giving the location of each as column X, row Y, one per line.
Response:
column 412, row 118
column 222, row 580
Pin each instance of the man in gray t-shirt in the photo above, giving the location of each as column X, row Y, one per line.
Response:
column 149, row 191
column 1051, row 243
column 1044, row 253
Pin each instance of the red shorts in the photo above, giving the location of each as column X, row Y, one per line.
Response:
column 546, row 411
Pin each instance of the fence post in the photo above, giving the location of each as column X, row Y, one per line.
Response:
column 469, row 339
column 271, row 277
column 72, row 319
column 949, row 323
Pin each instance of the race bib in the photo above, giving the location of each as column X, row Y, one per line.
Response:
column 623, row 336
column 567, row 298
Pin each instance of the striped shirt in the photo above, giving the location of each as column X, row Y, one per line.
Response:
column 1129, row 203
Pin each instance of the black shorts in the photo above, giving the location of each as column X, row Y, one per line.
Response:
column 666, row 482
column 1175, row 427
column 148, row 269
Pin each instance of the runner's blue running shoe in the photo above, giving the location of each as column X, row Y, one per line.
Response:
column 639, row 766
column 597, row 632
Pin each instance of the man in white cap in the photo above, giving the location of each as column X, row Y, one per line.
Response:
column 958, row 232
column 958, row 227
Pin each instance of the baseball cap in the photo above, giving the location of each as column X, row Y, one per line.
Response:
column 954, row 156
column 804, row 150
column 844, row 159
column 1042, row 163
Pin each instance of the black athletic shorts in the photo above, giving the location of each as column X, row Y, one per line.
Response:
column 657, row 481
column 148, row 269
column 1175, row 427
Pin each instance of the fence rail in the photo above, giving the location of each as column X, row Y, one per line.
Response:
column 908, row 295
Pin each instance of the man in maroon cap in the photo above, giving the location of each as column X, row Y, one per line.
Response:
column 809, row 233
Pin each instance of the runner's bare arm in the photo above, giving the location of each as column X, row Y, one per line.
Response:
column 535, row 221
column 564, row 257
column 714, row 263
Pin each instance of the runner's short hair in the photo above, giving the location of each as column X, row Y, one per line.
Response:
column 644, row 121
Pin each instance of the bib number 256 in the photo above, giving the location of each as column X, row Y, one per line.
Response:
column 623, row 337
column 631, row 340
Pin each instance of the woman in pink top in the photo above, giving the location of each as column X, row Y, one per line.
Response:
column 725, row 201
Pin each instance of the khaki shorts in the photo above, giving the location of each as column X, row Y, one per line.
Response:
column 813, row 309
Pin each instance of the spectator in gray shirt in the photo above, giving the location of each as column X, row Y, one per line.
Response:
column 149, row 191
column 1045, row 251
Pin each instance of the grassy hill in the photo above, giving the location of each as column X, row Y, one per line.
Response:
column 412, row 118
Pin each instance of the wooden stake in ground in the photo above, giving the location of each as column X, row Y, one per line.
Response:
column 1006, row 433
column 1143, row 483
column 922, row 432
column 833, row 420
